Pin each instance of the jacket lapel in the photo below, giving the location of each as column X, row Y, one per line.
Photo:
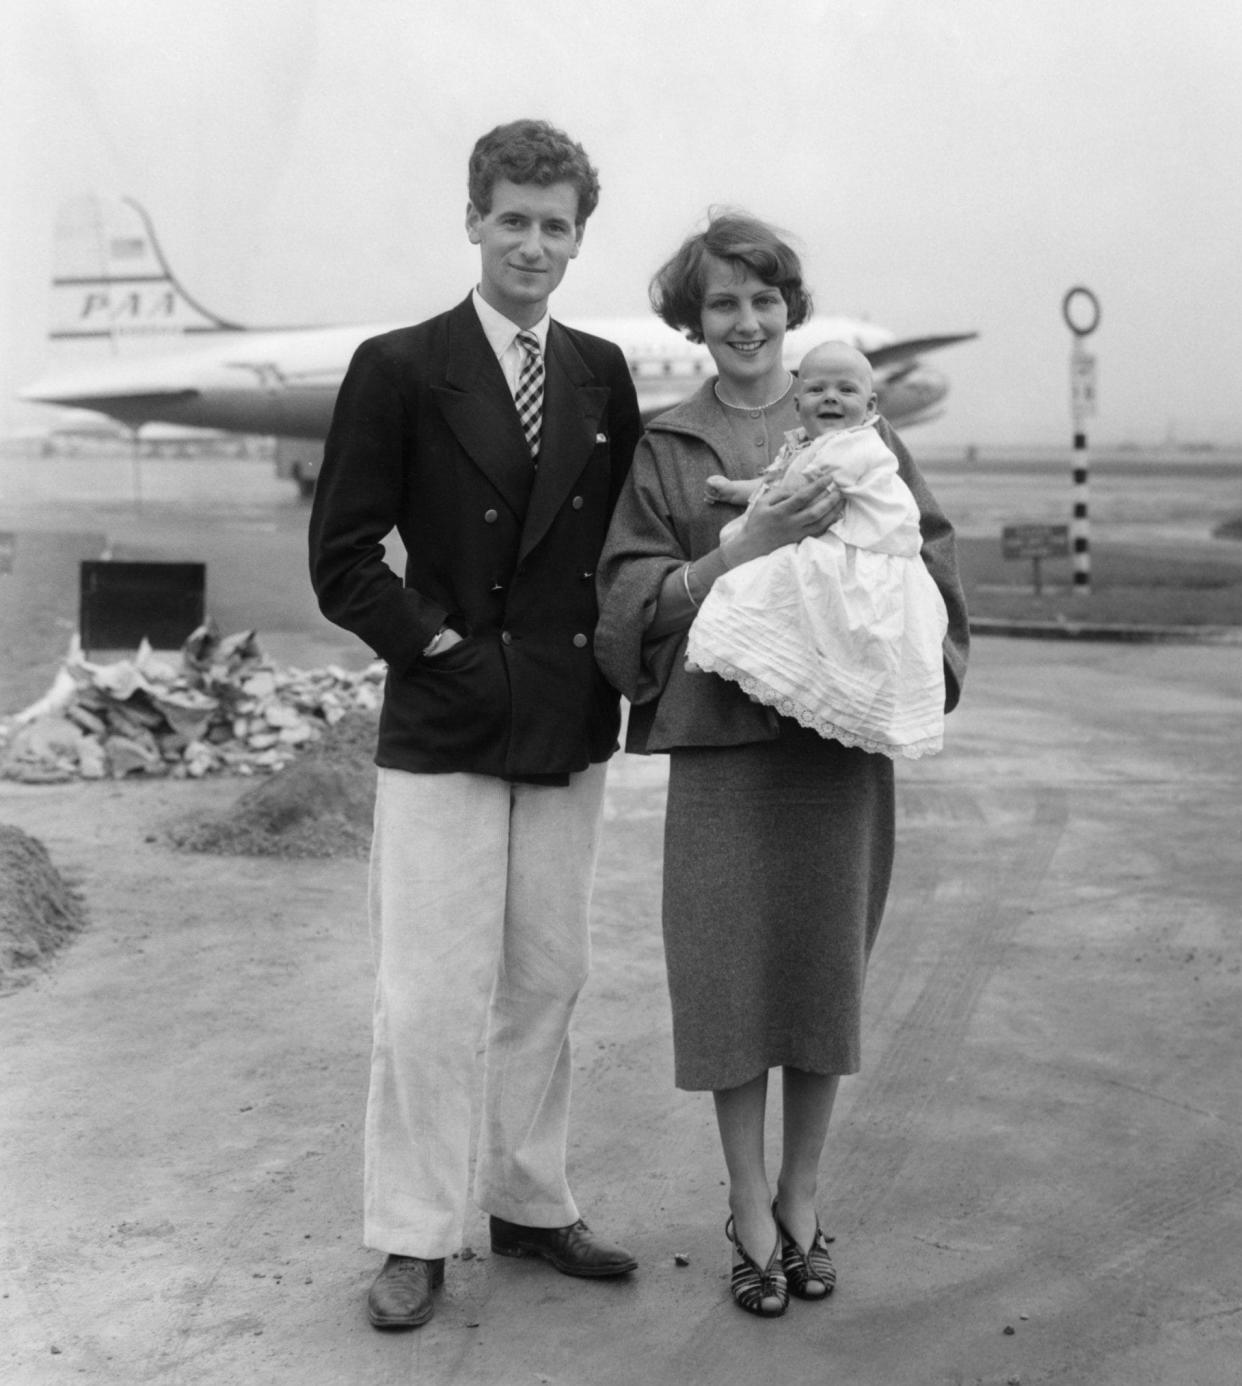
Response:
column 478, row 408
column 573, row 406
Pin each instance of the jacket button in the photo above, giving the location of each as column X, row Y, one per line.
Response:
column 491, row 516
column 577, row 502
column 506, row 638
column 580, row 640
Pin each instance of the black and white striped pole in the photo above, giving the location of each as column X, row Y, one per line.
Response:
column 1081, row 310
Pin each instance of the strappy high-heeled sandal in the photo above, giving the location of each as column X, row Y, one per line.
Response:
column 750, row 1286
column 810, row 1274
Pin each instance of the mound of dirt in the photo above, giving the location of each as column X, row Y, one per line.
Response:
column 38, row 911
column 318, row 806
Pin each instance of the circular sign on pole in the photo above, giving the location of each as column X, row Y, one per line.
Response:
column 1081, row 310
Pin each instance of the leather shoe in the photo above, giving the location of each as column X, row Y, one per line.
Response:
column 401, row 1293
column 573, row 1250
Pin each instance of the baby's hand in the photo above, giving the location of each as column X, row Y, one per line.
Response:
column 719, row 490
column 817, row 470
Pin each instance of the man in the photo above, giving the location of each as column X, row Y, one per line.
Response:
column 495, row 441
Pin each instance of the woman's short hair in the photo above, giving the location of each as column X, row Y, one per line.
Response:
column 531, row 151
column 677, row 289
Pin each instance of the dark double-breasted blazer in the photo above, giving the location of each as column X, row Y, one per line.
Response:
column 425, row 439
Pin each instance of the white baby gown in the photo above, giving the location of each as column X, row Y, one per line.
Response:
column 843, row 632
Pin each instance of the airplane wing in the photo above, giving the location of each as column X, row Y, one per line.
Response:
column 135, row 407
column 898, row 353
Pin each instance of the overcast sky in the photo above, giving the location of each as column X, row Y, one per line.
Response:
column 946, row 165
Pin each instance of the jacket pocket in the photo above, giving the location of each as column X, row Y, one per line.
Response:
column 453, row 707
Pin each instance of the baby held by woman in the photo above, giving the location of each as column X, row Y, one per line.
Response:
column 843, row 632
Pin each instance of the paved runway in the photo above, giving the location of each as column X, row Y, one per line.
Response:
column 1035, row 1178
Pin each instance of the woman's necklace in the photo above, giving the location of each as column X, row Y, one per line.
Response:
column 755, row 408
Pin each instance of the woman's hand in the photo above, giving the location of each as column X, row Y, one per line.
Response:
column 779, row 518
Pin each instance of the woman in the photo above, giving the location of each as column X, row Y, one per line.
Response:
column 778, row 843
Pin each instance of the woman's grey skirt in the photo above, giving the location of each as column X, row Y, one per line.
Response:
column 777, row 860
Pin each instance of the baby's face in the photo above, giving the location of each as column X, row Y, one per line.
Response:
column 834, row 391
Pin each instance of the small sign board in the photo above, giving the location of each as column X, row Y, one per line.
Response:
column 1035, row 541
column 1082, row 384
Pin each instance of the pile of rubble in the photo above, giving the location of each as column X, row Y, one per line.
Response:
column 220, row 707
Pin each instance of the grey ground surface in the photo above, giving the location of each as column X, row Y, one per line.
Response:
column 1036, row 1178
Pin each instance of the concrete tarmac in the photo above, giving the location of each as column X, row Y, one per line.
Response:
column 1037, row 1177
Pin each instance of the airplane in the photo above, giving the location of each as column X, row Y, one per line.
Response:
column 169, row 360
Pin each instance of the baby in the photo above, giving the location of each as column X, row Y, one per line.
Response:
column 843, row 632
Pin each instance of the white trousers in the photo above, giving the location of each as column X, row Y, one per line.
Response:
column 479, row 894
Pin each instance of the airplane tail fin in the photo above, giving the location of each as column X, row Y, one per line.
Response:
column 111, row 285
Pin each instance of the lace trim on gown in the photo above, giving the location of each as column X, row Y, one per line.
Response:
column 788, row 707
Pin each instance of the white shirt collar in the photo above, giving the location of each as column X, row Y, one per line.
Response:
column 501, row 332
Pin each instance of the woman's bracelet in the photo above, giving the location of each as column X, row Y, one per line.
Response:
column 685, row 580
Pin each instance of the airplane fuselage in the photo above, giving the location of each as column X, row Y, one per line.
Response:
column 285, row 383
column 158, row 356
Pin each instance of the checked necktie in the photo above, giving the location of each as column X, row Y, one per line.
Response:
column 529, row 397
